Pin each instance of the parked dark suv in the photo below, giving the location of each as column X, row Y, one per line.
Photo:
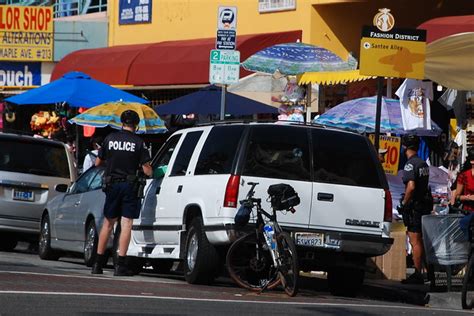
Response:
column 30, row 168
column 345, row 211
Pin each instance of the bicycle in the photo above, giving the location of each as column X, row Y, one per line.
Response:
column 467, row 293
column 266, row 257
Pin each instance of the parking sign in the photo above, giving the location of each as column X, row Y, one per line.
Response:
column 224, row 66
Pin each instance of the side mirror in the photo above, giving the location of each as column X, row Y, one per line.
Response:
column 61, row 188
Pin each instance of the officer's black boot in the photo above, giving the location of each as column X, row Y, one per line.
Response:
column 121, row 269
column 98, row 264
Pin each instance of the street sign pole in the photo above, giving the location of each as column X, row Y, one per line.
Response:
column 224, row 88
column 378, row 112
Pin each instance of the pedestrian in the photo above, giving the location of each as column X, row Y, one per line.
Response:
column 89, row 159
column 416, row 202
column 382, row 152
column 125, row 154
column 464, row 193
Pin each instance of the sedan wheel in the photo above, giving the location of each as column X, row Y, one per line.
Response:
column 90, row 244
column 45, row 252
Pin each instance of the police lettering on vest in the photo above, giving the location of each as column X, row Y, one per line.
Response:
column 122, row 146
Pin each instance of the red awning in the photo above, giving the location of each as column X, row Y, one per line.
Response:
column 445, row 26
column 164, row 63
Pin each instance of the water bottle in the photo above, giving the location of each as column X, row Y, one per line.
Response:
column 268, row 228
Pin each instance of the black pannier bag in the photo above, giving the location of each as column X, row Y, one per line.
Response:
column 283, row 196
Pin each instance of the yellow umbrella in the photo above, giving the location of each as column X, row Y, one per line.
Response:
column 108, row 114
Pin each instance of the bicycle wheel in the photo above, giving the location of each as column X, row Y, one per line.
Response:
column 251, row 267
column 467, row 296
column 289, row 270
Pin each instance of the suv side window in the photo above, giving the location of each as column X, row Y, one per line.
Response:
column 218, row 152
column 278, row 152
column 164, row 155
column 343, row 158
column 184, row 154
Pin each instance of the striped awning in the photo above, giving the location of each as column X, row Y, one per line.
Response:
column 331, row 77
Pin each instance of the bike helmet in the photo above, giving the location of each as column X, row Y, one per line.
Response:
column 411, row 141
column 130, row 117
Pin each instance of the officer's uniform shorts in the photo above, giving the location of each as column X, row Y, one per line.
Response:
column 121, row 200
column 412, row 220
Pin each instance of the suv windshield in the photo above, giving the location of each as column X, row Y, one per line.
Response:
column 40, row 158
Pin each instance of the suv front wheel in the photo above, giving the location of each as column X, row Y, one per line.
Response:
column 201, row 258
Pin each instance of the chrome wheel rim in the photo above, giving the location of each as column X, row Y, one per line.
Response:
column 44, row 238
column 89, row 244
column 192, row 252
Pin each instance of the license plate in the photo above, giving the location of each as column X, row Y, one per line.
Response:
column 23, row 195
column 309, row 239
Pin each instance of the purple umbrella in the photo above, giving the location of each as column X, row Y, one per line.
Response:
column 358, row 115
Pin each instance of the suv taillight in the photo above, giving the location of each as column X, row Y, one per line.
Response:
column 387, row 216
column 232, row 191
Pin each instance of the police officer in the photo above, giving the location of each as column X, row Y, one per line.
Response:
column 416, row 202
column 125, row 154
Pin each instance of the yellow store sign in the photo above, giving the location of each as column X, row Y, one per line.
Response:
column 392, row 157
column 26, row 33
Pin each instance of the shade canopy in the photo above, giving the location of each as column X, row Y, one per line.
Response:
column 77, row 89
column 208, row 101
column 446, row 26
column 108, row 114
column 332, row 77
column 358, row 115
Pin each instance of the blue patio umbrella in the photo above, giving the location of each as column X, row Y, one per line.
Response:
column 297, row 58
column 208, row 101
column 77, row 89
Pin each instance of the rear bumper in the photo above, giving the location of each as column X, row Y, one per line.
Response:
column 361, row 244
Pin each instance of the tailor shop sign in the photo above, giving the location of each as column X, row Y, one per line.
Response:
column 20, row 74
column 26, row 33
column 134, row 11
column 390, row 52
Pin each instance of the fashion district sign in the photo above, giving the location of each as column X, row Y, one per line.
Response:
column 26, row 33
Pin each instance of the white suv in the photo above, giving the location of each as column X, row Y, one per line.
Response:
column 188, row 213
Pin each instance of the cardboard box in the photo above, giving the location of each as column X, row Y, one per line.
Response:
column 392, row 265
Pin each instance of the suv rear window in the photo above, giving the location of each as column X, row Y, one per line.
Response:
column 39, row 158
column 217, row 154
column 277, row 151
column 343, row 158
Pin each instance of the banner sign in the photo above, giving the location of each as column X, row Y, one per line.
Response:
column 26, row 33
column 392, row 157
column 20, row 74
column 134, row 11
column 396, row 53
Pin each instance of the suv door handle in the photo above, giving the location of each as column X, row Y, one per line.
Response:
column 180, row 188
column 77, row 203
column 327, row 197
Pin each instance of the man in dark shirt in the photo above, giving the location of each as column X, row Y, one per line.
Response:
column 125, row 153
column 416, row 202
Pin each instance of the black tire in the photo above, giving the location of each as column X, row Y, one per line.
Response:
column 135, row 264
column 44, row 248
column 201, row 258
column 467, row 294
column 162, row 266
column 8, row 242
column 289, row 270
column 90, row 244
column 345, row 281
column 246, row 269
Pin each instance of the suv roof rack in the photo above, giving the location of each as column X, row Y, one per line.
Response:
column 225, row 122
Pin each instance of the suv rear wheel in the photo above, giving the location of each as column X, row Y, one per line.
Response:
column 201, row 258
column 345, row 281
column 44, row 250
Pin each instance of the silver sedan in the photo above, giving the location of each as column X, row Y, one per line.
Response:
column 71, row 221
